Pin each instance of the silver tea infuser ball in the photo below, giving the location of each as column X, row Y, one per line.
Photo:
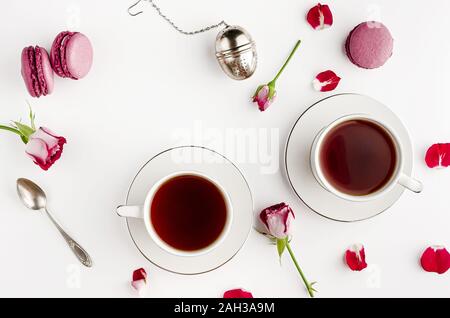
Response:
column 236, row 52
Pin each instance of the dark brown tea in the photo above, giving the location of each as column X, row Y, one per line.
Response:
column 358, row 157
column 188, row 212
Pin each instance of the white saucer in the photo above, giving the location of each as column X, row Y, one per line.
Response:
column 214, row 165
column 298, row 149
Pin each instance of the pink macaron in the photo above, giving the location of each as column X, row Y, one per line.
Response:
column 369, row 45
column 37, row 71
column 71, row 55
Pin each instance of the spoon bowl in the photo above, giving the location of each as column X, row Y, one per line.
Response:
column 32, row 196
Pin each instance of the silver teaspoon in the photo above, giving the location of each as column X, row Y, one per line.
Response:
column 33, row 197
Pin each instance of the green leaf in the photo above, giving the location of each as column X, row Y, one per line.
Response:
column 24, row 129
column 11, row 129
column 281, row 246
column 32, row 117
column 16, row 131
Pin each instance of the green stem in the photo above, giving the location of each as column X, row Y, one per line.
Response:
column 16, row 131
column 307, row 284
column 287, row 61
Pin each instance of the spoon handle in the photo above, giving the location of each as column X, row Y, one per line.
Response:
column 76, row 248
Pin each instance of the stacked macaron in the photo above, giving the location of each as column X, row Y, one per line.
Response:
column 369, row 45
column 37, row 71
column 71, row 56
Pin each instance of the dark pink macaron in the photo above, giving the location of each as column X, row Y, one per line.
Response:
column 71, row 55
column 37, row 71
column 369, row 45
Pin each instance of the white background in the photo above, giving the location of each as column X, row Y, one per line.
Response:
column 149, row 82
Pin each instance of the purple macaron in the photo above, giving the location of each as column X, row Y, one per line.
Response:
column 37, row 71
column 369, row 45
column 71, row 55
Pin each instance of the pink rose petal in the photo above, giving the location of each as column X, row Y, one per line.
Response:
column 326, row 81
column 438, row 156
column 139, row 280
column 320, row 17
column 237, row 293
column 435, row 259
column 355, row 257
column 139, row 286
column 47, row 136
column 37, row 150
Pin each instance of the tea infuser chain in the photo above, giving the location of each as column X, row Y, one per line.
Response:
column 162, row 15
column 235, row 48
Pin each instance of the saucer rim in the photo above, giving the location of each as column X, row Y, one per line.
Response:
column 251, row 199
column 289, row 177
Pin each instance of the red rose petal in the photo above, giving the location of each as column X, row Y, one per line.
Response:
column 355, row 257
column 326, row 81
column 320, row 17
column 140, row 274
column 139, row 280
column 237, row 293
column 435, row 259
column 438, row 155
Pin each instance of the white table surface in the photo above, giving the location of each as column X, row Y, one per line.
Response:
column 150, row 85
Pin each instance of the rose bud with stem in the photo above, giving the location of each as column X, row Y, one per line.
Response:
column 265, row 94
column 277, row 220
column 42, row 145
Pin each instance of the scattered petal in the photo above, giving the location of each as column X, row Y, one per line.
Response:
column 140, row 274
column 438, row 156
column 326, row 81
column 237, row 293
column 139, row 281
column 320, row 17
column 435, row 259
column 355, row 257
column 139, row 286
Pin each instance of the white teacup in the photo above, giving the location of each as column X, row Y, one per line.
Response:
column 398, row 177
column 144, row 212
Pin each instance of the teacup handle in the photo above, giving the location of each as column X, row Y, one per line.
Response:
column 410, row 183
column 130, row 211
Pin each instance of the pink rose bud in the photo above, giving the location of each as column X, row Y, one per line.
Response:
column 277, row 220
column 435, row 259
column 355, row 257
column 237, row 293
column 438, row 156
column 320, row 17
column 44, row 147
column 139, row 280
column 264, row 97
